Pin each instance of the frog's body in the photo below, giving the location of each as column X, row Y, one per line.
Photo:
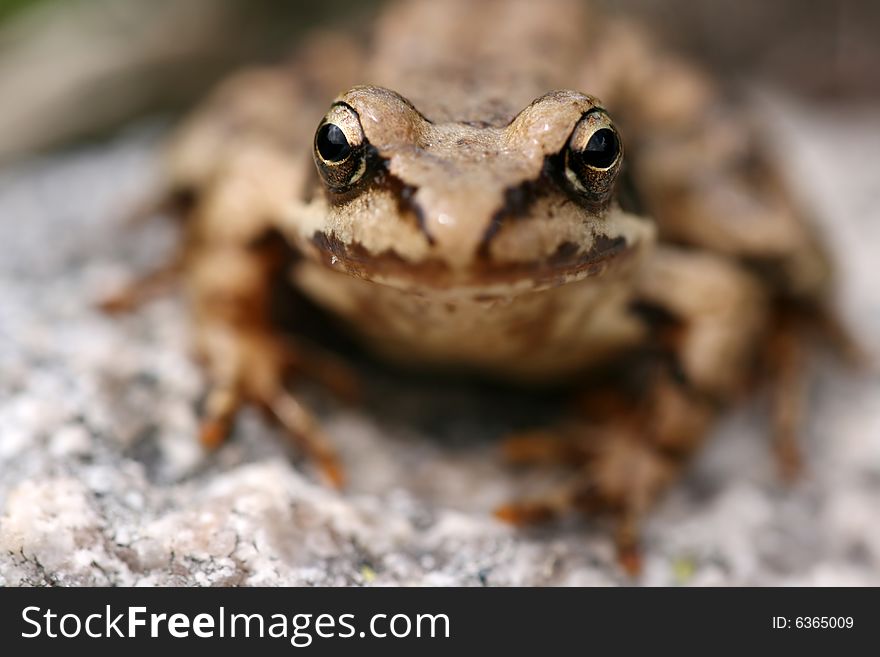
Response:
column 469, row 218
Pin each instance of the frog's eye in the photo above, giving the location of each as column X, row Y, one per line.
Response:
column 340, row 148
column 593, row 155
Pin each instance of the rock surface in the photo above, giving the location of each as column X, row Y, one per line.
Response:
column 101, row 481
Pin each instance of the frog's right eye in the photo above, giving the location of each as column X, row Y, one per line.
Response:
column 593, row 155
column 340, row 148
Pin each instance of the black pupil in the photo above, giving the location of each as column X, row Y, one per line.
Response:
column 332, row 144
column 602, row 149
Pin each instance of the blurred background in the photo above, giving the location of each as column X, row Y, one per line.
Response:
column 73, row 69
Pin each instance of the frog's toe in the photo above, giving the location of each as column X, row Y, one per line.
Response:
column 221, row 406
column 523, row 513
column 543, row 447
column 304, row 429
column 139, row 291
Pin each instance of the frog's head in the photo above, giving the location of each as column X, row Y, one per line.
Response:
column 406, row 200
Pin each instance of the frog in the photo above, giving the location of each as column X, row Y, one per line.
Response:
column 533, row 192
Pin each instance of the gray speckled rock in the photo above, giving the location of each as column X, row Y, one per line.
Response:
column 102, row 482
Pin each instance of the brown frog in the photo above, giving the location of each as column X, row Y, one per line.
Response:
column 467, row 205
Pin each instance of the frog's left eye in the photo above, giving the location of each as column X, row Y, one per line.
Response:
column 593, row 155
column 340, row 148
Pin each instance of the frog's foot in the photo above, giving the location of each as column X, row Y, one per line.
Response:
column 256, row 369
column 620, row 467
column 618, row 478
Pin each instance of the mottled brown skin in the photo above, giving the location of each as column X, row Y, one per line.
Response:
column 466, row 229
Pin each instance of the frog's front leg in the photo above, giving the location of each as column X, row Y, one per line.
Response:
column 709, row 315
column 248, row 360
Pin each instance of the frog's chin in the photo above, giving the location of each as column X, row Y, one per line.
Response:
column 569, row 264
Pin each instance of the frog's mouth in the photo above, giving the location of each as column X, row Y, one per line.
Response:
column 568, row 264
